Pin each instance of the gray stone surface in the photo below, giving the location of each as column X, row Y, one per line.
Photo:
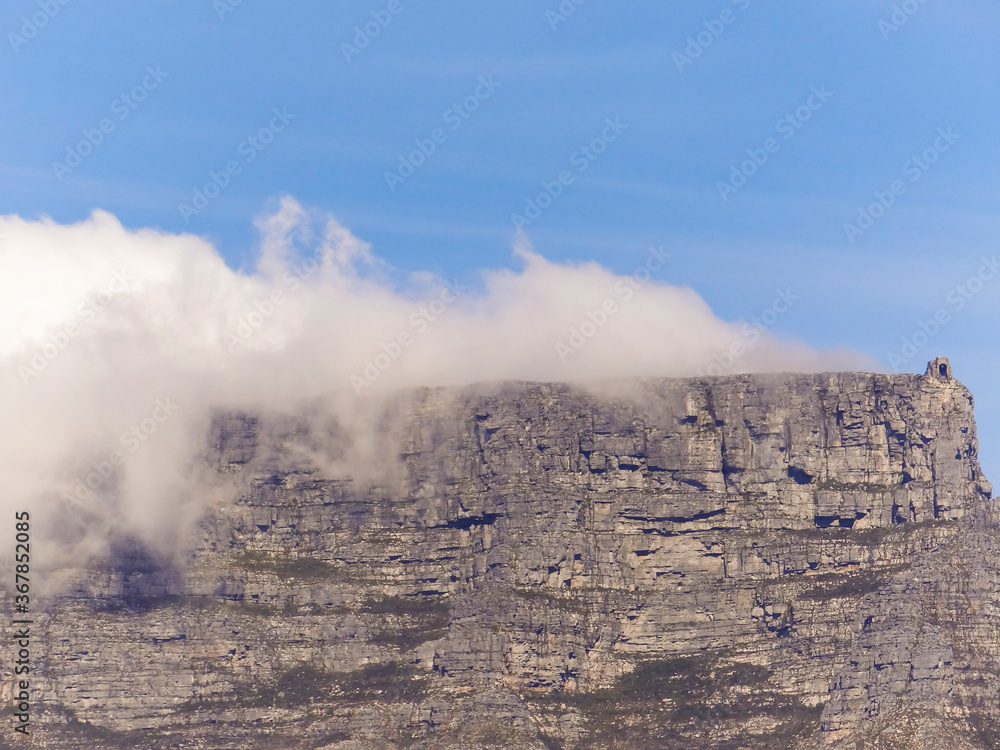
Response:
column 796, row 561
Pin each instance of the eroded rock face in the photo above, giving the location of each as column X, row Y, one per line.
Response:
column 742, row 562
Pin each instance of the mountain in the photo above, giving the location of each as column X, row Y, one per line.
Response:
column 768, row 561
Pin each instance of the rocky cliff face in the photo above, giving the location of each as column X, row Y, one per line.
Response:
column 797, row 561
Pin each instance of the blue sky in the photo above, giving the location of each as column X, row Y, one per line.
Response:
column 689, row 110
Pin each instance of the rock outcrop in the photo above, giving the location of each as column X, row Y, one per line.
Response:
column 798, row 561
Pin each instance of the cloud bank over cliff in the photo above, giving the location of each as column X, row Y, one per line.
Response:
column 118, row 345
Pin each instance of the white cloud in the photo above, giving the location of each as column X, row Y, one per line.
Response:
column 86, row 357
